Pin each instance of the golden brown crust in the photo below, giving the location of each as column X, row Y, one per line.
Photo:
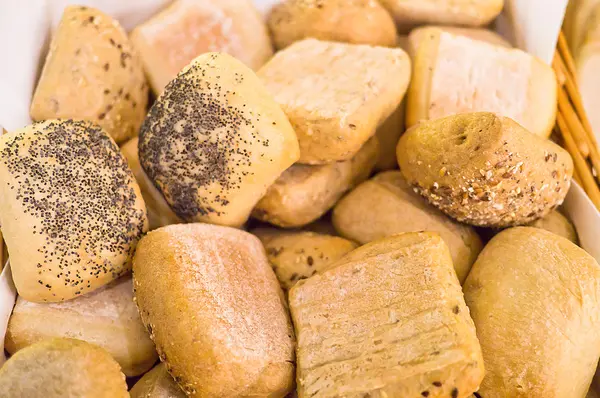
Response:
column 388, row 319
column 157, row 383
column 534, row 297
column 72, row 211
column 92, row 73
column 558, row 224
column 386, row 205
column 303, row 193
column 485, row 170
column 58, row 368
column 215, row 311
column 347, row 21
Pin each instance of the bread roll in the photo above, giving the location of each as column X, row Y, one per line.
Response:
column 304, row 193
column 157, row 383
column 107, row 318
column 580, row 19
column 456, row 12
column 335, row 94
column 556, row 223
column 215, row 140
column 71, row 210
column 215, row 311
column 159, row 212
column 484, row 77
column 534, row 297
column 187, row 28
column 386, row 205
column 297, row 255
column 348, row 21
column 388, row 135
column 485, row 170
column 92, row 73
column 58, row 368
column 387, row 319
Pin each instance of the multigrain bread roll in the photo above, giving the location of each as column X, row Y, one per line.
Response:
column 92, row 73
column 388, row 135
column 386, row 205
column 556, row 223
column 296, row 255
column 485, row 170
column 159, row 212
column 534, row 297
column 157, row 383
column 215, row 140
column 187, row 28
column 71, row 210
column 387, row 319
column 58, row 368
column 484, row 77
column 335, row 94
column 215, row 311
column 304, row 193
column 457, row 12
column 347, row 21
column 106, row 317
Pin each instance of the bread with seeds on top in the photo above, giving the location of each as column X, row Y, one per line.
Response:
column 92, row 73
column 71, row 211
column 215, row 140
column 485, row 170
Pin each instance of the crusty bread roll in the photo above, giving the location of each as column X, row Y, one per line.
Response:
column 456, row 12
column 92, row 73
column 580, row 19
column 159, row 212
column 157, row 383
column 296, row 255
column 215, row 140
column 535, row 300
column 388, row 319
column 187, row 28
column 348, row 21
column 386, row 205
column 388, row 135
column 215, row 311
column 304, row 193
column 336, row 94
column 485, row 170
column 484, row 77
column 556, row 223
column 58, row 368
column 71, row 210
column 106, row 317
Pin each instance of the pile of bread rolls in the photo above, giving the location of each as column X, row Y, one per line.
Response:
column 379, row 262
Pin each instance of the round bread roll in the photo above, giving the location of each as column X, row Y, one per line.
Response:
column 484, row 169
column 556, row 223
column 350, row 21
column 157, row 383
column 296, row 255
column 58, row 368
column 535, row 300
column 386, row 205
column 106, row 317
column 215, row 311
column 71, row 210
column 215, row 140
column 92, row 73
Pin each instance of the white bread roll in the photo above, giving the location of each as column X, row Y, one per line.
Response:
column 157, row 383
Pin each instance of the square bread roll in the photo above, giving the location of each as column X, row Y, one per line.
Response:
column 71, row 212
column 92, row 73
column 304, row 193
column 187, row 28
column 335, row 94
column 215, row 140
column 388, row 319
column 484, row 77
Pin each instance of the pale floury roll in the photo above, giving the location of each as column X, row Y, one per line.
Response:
column 214, row 308
column 534, row 297
column 92, row 73
column 215, row 140
column 71, row 211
